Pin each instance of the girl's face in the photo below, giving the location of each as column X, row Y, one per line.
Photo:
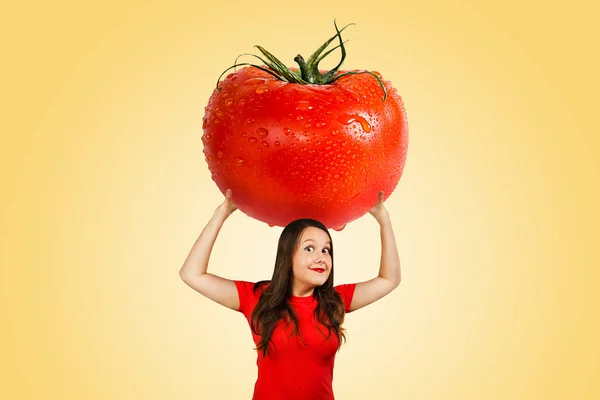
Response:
column 311, row 261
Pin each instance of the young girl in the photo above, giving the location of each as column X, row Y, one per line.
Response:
column 296, row 317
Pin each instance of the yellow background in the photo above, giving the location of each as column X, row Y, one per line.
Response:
column 105, row 189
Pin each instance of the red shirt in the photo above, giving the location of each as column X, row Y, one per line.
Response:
column 293, row 370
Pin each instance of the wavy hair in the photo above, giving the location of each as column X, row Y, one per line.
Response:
column 273, row 304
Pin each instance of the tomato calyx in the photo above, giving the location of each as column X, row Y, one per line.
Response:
column 309, row 70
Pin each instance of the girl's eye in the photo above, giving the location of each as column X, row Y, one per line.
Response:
column 311, row 248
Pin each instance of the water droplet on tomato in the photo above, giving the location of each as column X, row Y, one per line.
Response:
column 348, row 119
column 339, row 228
column 252, row 139
column 262, row 132
column 228, row 102
column 249, row 120
column 261, row 89
column 277, row 143
column 299, row 118
column 271, row 225
column 255, row 81
column 219, row 154
column 204, row 124
column 286, row 131
column 303, row 105
column 208, row 157
column 264, row 143
column 239, row 161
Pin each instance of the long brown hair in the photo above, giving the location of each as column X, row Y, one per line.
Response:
column 273, row 304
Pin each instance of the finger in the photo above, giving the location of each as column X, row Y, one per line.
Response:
column 228, row 194
column 381, row 196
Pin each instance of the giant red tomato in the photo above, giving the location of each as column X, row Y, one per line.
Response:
column 290, row 150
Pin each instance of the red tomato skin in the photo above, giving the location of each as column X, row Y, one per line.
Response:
column 290, row 151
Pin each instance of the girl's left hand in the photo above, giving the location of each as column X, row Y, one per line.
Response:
column 379, row 211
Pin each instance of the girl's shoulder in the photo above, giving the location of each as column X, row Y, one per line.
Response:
column 261, row 285
column 254, row 286
column 346, row 292
column 249, row 294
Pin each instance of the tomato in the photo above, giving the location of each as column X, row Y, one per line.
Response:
column 291, row 150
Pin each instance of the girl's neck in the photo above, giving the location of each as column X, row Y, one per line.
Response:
column 302, row 291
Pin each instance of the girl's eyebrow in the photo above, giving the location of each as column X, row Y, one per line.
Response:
column 312, row 240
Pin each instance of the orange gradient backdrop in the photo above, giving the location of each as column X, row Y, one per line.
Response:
column 105, row 189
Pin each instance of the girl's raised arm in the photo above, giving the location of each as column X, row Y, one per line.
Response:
column 193, row 272
column 389, row 269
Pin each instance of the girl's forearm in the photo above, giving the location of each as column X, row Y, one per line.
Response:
column 390, row 260
column 196, row 262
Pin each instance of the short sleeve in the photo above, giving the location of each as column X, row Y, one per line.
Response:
column 346, row 292
column 246, row 296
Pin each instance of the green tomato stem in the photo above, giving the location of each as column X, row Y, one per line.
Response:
column 309, row 72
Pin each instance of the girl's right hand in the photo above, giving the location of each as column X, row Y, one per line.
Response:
column 227, row 207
